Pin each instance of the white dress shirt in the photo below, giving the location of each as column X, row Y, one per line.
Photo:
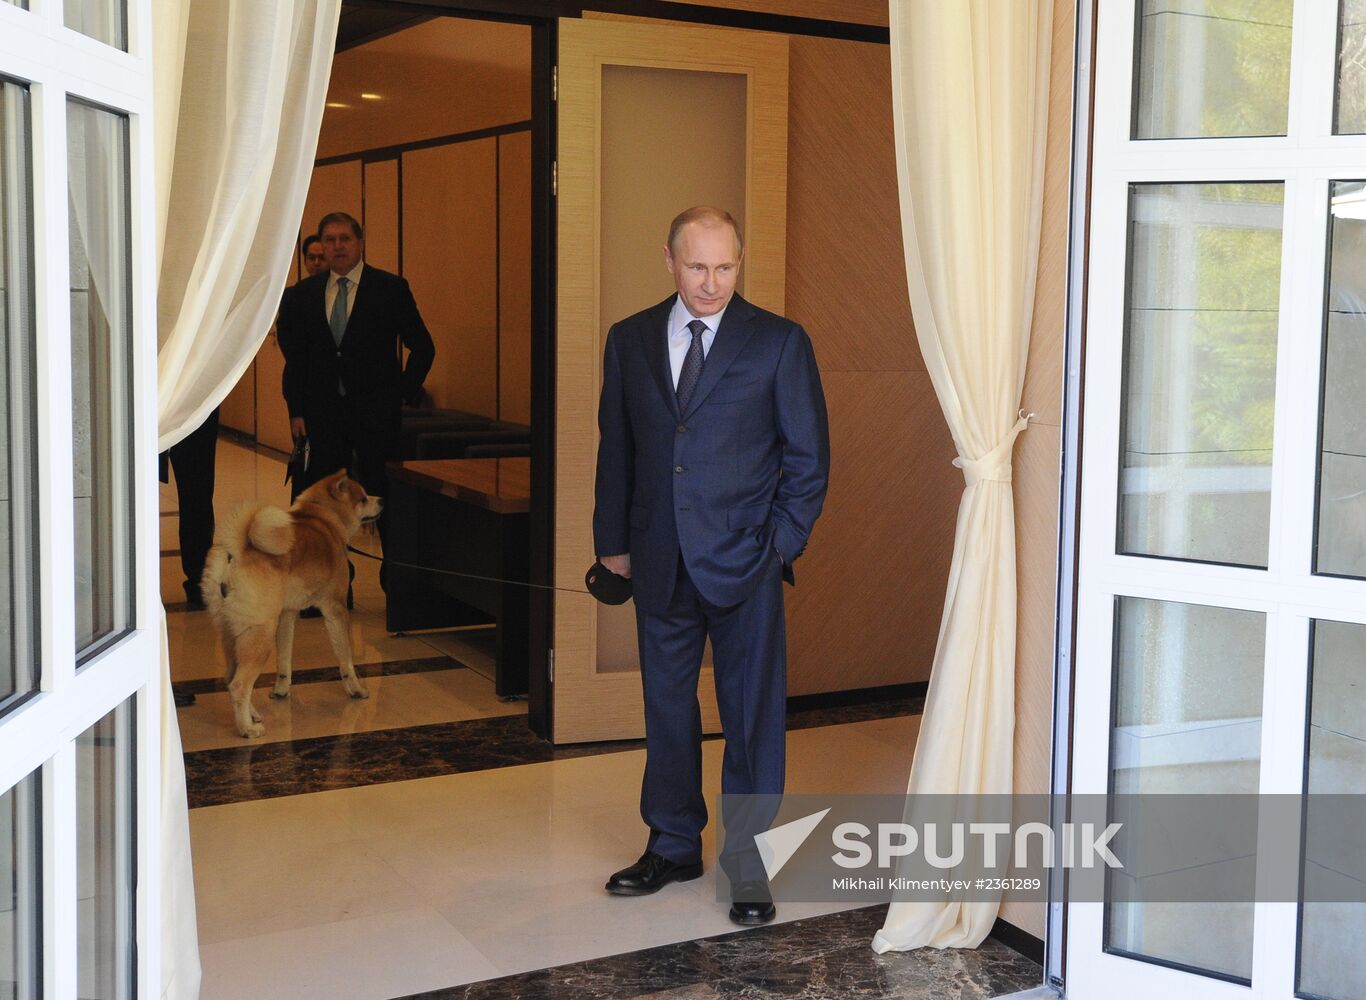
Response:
column 330, row 296
column 680, row 337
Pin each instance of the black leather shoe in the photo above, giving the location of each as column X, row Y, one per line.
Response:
column 650, row 874
column 752, row 904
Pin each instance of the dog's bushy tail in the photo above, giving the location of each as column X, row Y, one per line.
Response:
column 257, row 526
column 271, row 530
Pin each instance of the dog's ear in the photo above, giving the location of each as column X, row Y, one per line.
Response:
column 338, row 489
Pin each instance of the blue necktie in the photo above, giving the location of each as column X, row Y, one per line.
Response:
column 692, row 365
column 337, row 321
column 338, row 318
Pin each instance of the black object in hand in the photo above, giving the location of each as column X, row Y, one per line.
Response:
column 606, row 586
column 298, row 460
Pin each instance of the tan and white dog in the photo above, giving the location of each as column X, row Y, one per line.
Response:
column 266, row 565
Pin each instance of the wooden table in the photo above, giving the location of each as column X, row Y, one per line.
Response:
column 458, row 553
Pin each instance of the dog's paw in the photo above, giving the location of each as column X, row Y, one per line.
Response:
column 253, row 731
column 280, row 691
column 359, row 691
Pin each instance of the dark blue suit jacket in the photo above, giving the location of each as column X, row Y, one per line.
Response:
column 742, row 472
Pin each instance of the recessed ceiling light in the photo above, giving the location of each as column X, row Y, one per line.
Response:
column 337, row 104
column 370, row 97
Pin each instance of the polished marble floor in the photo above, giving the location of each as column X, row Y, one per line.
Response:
column 817, row 958
column 424, row 840
column 410, row 886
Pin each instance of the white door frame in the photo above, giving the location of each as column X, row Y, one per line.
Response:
column 1287, row 592
column 38, row 734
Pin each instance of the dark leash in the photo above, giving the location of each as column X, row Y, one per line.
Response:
column 465, row 576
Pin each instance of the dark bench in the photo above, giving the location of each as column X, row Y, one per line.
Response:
column 417, row 421
column 449, row 443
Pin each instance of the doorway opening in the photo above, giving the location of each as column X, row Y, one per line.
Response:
column 436, row 139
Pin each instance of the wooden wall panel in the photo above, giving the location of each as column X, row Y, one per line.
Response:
column 1037, row 459
column 450, row 260
column 272, row 416
column 239, row 409
column 381, row 214
column 647, row 178
column 846, row 270
column 1044, row 368
column 514, row 277
column 334, row 188
column 871, row 585
column 865, row 611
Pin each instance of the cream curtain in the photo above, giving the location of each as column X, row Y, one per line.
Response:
column 240, row 88
column 970, row 93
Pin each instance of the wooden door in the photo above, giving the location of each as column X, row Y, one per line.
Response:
column 652, row 118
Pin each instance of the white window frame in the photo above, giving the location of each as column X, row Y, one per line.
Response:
column 1305, row 160
column 54, row 61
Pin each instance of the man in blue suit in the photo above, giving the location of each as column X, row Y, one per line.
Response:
column 712, row 470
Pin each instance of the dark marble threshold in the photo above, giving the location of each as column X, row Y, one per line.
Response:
column 319, row 675
column 296, row 767
column 820, row 958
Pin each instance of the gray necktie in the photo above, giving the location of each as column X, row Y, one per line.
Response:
column 338, row 319
column 692, row 365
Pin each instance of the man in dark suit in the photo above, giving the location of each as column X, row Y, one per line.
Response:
column 315, row 262
column 712, row 470
column 344, row 382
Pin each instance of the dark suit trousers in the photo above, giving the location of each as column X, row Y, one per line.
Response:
column 749, row 654
column 357, row 438
column 193, row 462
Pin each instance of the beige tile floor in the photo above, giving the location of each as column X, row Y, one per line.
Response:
column 391, row 889
column 318, row 709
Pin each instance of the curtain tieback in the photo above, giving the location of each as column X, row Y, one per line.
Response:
column 994, row 466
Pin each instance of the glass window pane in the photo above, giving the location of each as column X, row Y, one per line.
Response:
column 20, row 892
column 1209, row 68
column 18, row 612
column 1187, row 720
column 103, row 20
column 1199, row 380
column 1350, row 114
column 101, row 327
column 105, row 857
column 1340, row 545
column 1332, row 963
